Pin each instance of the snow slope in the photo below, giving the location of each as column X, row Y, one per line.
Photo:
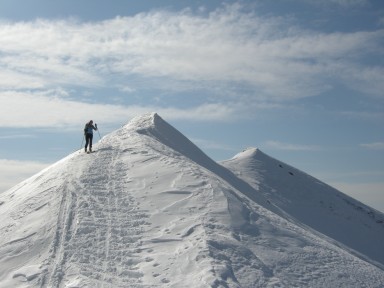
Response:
column 150, row 209
column 309, row 201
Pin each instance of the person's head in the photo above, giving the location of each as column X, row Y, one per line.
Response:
column 91, row 122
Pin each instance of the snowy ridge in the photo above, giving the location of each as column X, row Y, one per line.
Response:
column 155, row 127
column 313, row 202
column 149, row 209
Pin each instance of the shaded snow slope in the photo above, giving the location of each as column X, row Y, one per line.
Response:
column 149, row 209
column 313, row 203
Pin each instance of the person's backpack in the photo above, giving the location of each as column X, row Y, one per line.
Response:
column 86, row 128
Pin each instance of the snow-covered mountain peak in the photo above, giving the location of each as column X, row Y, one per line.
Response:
column 145, row 121
column 294, row 193
column 149, row 209
column 252, row 154
column 153, row 126
column 247, row 153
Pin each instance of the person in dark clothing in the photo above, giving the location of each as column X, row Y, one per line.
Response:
column 88, row 134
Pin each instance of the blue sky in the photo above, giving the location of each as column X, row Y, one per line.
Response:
column 301, row 80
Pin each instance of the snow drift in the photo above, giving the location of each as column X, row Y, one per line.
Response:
column 150, row 209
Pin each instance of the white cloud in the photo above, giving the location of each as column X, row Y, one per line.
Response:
column 367, row 115
column 13, row 172
column 15, row 80
column 268, row 55
column 342, row 3
column 17, row 136
column 126, row 89
column 374, row 146
column 50, row 109
column 290, row 147
column 349, row 2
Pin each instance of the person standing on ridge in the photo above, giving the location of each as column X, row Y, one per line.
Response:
column 88, row 134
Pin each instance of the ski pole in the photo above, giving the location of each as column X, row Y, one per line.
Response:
column 98, row 131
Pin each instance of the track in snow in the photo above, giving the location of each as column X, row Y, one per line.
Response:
column 99, row 226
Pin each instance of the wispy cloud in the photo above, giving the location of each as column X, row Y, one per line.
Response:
column 349, row 2
column 373, row 146
column 342, row 3
column 226, row 52
column 16, row 136
column 268, row 54
column 47, row 110
column 368, row 115
column 289, row 146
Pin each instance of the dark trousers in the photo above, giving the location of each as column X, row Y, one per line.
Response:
column 88, row 140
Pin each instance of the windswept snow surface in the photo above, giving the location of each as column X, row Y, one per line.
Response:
column 306, row 200
column 150, row 209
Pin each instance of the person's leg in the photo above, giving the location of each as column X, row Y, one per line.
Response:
column 90, row 142
column 86, row 142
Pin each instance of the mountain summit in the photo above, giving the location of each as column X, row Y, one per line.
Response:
column 149, row 209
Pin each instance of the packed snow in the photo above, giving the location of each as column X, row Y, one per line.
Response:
column 149, row 209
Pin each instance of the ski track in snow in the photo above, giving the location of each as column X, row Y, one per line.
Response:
column 142, row 212
column 101, row 234
column 99, row 225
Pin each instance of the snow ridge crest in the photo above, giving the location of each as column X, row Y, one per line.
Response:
column 152, row 125
column 144, row 122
